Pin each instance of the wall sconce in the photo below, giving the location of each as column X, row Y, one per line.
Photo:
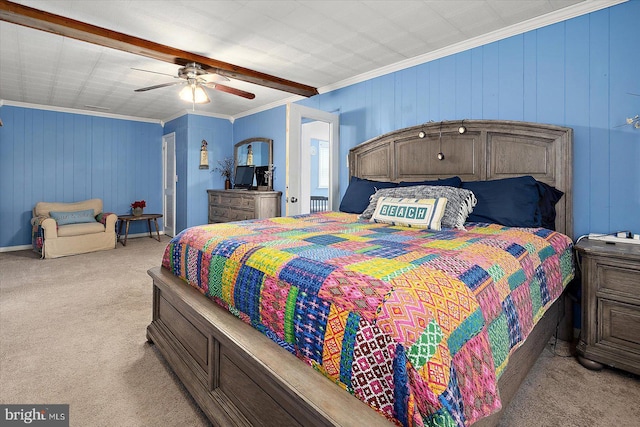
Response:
column 204, row 156
column 462, row 129
column 634, row 121
column 422, row 133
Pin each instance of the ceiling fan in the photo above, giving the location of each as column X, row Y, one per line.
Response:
column 67, row 27
column 196, row 79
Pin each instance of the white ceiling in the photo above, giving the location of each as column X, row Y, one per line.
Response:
column 325, row 44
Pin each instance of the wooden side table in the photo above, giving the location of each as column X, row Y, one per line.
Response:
column 126, row 219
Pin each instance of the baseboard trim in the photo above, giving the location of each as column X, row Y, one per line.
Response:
column 15, row 248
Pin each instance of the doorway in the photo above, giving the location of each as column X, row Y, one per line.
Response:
column 310, row 130
column 169, row 183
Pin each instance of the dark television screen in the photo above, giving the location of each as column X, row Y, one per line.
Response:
column 244, row 176
column 261, row 175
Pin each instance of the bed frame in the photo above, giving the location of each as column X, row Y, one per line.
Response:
column 240, row 377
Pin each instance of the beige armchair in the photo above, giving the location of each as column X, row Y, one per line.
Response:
column 61, row 229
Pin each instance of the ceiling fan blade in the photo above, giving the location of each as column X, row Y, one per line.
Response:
column 144, row 89
column 231, row 90
column 155, row 72
column 67, row 27
column 214, row 78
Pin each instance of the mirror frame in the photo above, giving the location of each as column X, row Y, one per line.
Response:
column 248, row 141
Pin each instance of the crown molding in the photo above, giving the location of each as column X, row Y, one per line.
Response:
column 269, row 106
column 111, row 115
column 77, row 111
column 184, row 112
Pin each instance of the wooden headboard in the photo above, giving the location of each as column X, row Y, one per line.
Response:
column 489, row 149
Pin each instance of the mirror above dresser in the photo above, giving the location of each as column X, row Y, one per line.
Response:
column 254, row 157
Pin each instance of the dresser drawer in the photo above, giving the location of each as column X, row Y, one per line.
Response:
column 241, row 215
column 217, row 211
column 227, row 214
column 238, row 202
column 217, row 199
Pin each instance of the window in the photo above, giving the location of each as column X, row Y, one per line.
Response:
column 323, row 164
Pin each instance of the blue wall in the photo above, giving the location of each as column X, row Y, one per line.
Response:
column 219, row 134
column 268, row 124
column 576, row 73
column 63, row 157
column 193, row 182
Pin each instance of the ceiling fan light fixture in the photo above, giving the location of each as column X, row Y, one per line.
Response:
column 194, row 94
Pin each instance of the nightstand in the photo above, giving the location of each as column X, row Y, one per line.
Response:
column 610, row 305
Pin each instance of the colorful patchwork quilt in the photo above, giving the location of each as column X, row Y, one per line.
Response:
column 419, row 324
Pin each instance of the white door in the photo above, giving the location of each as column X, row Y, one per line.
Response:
column 298, row 192
column 169, row 179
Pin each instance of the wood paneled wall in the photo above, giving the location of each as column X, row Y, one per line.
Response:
column 64, row 157
column 578, row 73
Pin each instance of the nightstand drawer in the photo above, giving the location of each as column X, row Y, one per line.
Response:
column 620, row 325
column 618, row 278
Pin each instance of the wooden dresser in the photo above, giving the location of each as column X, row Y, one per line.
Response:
column 238, row 205
column 610, row 305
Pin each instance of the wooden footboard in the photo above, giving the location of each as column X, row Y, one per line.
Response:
column 239, row 377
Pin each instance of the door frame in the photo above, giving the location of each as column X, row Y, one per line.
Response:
column 295, row 115
column 169, row 219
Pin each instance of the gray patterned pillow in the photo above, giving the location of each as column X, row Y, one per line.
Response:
column 460, row 202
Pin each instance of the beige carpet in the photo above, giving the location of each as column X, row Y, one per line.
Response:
column 72, row 330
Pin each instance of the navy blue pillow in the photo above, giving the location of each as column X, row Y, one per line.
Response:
column 356, row 198
column 550, row 197
column 454, row 181
column 513, row 202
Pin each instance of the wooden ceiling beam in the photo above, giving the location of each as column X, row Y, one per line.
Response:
column 67, row 27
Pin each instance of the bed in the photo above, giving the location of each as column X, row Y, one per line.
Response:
column 239, row 376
